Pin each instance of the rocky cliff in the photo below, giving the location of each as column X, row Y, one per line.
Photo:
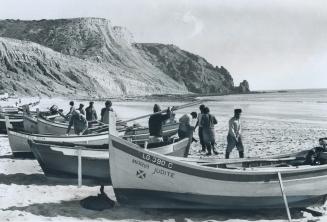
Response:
column 89, row 56
column 188, row 69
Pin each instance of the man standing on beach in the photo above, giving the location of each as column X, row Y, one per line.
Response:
column 208, row 123
column 79, row 122
column 71, row 110
column 156, row 122
column 81, row 109
column 91, row 113
column 105, row 112
column 198, row 123
column 185, row 129
column 234, row 137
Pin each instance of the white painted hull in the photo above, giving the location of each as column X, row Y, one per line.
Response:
column 19, row 140
column 30, row 124
column 61, row 162
column 17, row 123
column 168, row 183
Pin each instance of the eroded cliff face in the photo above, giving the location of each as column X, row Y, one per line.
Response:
column 89, row 56
column 186, row 68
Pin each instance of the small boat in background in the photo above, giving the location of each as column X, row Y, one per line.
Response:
column 18, row 140
column 30, row 124
column 140, row 135
column 53, row 127
column 15, row 121
column 59, row 160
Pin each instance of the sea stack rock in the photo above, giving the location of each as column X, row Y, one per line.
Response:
column 243, row 87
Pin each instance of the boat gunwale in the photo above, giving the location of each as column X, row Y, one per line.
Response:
column 204, row 169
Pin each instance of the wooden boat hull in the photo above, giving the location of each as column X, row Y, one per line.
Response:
column 30, row 124
column 17, row 123
column 19, row 140
column 57, row 128
column 47, row 127
column 139, row 136
column 151, row 180
column 60, row 162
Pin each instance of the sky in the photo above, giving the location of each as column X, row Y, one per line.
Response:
column 274, row 44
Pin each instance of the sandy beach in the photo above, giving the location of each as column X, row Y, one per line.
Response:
column 291, row 123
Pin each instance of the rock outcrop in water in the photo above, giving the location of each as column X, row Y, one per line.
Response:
column 89, row 56
column 243, row 87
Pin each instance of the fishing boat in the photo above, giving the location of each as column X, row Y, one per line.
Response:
column 59, row 160
column 15, row 121
column 152, row 180
column 18, row 140
column 141, row 134
column 30, row 124
column 47, row 126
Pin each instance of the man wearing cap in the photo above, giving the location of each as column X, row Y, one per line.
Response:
column 79, row 122
column 234, row 137
column 155, row 123
column 91, row 113
column 105, row 112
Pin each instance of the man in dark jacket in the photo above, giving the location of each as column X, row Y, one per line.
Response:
column 105, row 112
column 155, row 123
column 91, row 113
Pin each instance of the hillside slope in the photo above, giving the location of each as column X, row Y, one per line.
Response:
column 109, row 51
column 28, row 68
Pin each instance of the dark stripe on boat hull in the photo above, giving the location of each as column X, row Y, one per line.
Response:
column 28, row 155
column 159, row 199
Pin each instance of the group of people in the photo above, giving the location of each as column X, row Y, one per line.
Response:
column 206, row 123
column 83, row 119
column 206, row 129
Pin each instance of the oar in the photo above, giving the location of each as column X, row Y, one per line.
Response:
column 63, row 115
column 174, row 108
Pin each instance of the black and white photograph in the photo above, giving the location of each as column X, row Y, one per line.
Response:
column 163, row 110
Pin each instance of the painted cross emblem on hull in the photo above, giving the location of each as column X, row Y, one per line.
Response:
column 140, row 174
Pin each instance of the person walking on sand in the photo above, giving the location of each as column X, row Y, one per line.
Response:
column 199, row 124
column 81, row 109
column 155, row 123
column 208, row 123
column 105, row 112
column 186, row 129
column 234, row 137
column 91, row 113
column 79, row 122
